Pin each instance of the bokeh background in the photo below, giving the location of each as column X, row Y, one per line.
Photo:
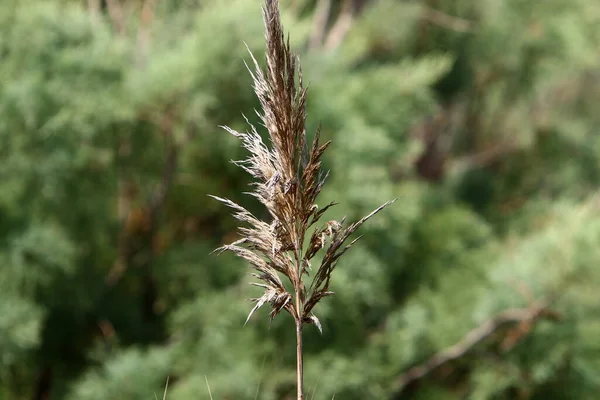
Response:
column 481, row 282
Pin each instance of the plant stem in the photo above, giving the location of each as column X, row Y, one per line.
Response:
column 299, row 320
column 299, row 366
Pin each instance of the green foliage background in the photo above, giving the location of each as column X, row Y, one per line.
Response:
column 477, row 114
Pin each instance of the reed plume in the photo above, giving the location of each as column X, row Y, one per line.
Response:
column 288, row 177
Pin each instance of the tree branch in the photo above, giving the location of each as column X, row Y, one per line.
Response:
column 116, row 15
column 447, row 21
column 484, row 158
column 94, row 7
column 520, row 316
column 341, row 27
column 320, row 20
column 143, row 33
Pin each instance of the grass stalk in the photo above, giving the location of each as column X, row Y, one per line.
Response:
column 299, row 355
column 288, row 177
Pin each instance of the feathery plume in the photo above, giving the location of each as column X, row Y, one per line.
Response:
column 288, row 177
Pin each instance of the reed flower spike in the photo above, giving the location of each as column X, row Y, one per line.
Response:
column 288, row 178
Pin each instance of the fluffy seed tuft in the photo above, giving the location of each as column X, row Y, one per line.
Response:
column 288, row 177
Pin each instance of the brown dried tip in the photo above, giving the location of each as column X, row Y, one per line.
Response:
column 288, row 178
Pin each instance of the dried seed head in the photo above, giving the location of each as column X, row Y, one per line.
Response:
column 288, row 178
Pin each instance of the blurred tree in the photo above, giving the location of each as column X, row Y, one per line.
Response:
column 479, row 115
